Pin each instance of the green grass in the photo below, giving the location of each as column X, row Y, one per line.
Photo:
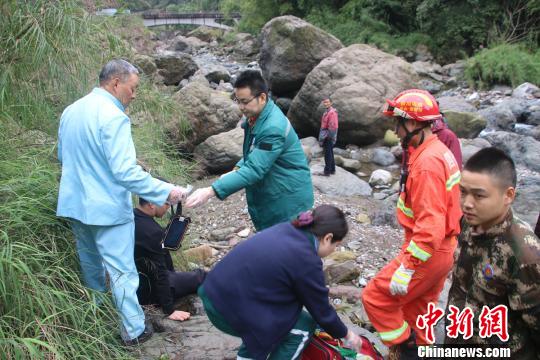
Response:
column 503, row 64
column 51, row 55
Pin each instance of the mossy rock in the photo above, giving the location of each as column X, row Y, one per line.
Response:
column 464, row 124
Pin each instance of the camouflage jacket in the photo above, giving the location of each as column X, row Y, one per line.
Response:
column 500, row 266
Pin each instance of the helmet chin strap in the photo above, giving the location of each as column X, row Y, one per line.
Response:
column 405, row 154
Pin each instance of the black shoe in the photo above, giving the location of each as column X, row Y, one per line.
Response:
column 145, row 336
column 408, row 350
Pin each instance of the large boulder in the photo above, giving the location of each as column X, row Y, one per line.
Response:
column 465, row 124
column 524, row 150
column 174, row 68
column 186, row 44
column 208, row 112
column 358, row 78
column 245, row 45
column 145, row 63
column 526, row 91
column 342, row 183
column 206, row 34
column 219, row 153
column 290, row 49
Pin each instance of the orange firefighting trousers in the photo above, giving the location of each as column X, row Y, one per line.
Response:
column 394, row 316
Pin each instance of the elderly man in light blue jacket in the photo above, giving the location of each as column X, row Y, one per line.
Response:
column 99, row 173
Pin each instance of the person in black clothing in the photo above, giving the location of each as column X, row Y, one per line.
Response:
column 159, row 283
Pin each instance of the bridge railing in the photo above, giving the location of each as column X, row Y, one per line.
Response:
column 191, row 15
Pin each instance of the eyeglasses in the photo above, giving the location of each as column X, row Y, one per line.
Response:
column 242, row 102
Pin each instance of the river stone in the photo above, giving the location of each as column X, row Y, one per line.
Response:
column 382, row 157
column 207, row 111
column 380, row 177
column 359, row 79
column 469, row 147
column 337, row 273
column 174, row 68
column 526, row 91
column 465, row 124
column 217, row 73
column 342, row 183
column 290, row 49
column 527, row 198
column 220, row 153
column 206, row 33
column 313, row 147
column 455, row 103
column 523, row 149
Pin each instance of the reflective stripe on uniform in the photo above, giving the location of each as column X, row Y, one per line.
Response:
column 454, row 179
column 417, row 252
column 405, row 210
column 394, row 334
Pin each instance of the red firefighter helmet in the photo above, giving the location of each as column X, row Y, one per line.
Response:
column 413, row 104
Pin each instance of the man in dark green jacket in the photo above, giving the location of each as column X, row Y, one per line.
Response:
column 274, row 169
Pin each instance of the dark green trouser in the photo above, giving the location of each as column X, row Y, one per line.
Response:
column 290, row 348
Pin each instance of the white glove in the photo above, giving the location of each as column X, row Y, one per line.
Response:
column 353, row 341
column 178, row 194
column 400, row 281
column 200, row 197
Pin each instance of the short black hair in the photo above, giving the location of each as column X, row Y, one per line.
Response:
column 253, row 80
column 496, row 163
column 327, row 219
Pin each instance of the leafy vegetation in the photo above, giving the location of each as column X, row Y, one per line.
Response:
column 451, row 29
column 503, row 64
column 50, row 56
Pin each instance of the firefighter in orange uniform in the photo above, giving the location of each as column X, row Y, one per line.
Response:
column 428, row 209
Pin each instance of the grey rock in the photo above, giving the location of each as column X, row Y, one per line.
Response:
column 284, row 104
column 526, row 91
column 359, row 78
column 523, row 149
column 527, row 198
column 342, row 183
column 174, row 68
column 469, row 147
column 145, row 63
column 380, row 177
column 337, row 273
column 455, row 103
column 217, row 73
column 290, row 49
column 208, row 112
column 464, row 124
column 219, row 153
column 221, row 234
column 383, row 157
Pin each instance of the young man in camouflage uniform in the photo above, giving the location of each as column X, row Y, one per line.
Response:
column 499, row 262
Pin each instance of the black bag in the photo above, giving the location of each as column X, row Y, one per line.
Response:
column 176, row 229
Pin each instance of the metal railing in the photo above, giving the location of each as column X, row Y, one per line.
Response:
column 192, row 15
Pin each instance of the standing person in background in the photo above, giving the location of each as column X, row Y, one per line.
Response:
column 448, row 138
column 273, row 170
column 428, row 210
column 328, row 136
column 99, row 173
column 259, row 290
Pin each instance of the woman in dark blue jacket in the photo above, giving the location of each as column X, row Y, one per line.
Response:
column 258, row 290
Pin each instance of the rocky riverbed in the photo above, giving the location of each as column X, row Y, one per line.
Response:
column 201, row 66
